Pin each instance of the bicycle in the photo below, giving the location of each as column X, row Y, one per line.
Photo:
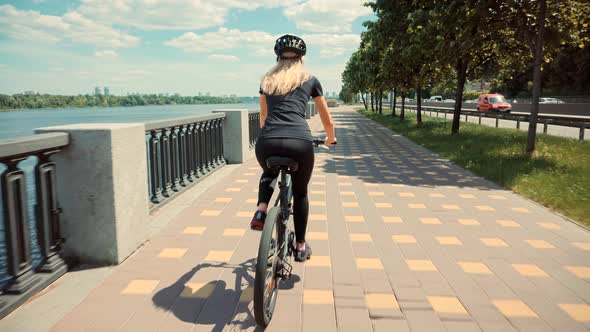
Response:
column 277, row 242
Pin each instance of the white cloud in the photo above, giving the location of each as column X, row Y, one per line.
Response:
column 331, row 45
column 137, row 72
column 72, row 26
column 83, row 73
column 223, row 57
column 261, row 43
column 230, row 76
column 326, row 16
column 169, row 15
column 222, row 39
column 265, row 52
column 254, row 4
column 155, row 15
column 106, row 54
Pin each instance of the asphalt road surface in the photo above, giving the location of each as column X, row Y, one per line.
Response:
column 547, row 109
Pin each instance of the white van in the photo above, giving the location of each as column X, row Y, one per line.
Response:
column 435, row 98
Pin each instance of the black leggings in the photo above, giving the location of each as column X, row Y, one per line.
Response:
column 299, row 150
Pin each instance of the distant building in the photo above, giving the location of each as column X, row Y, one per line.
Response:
column 207, row 94
column 333, row 94
column 29, row 92
column 200, row 93
column 106, row 91
column 233, row 95
column 97, row 91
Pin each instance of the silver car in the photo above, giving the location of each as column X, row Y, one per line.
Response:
column 546, row 100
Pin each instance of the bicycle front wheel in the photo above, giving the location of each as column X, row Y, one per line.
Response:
column 266, row 281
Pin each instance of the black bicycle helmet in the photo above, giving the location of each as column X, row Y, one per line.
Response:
column 290, row 43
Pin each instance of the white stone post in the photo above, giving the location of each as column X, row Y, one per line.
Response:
column 103, row 190
column 236, row 135
column 308, row 111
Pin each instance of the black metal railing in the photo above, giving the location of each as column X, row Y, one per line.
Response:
column 24, row 233
column 253, row 126
column 180, row 151
column 557, row 120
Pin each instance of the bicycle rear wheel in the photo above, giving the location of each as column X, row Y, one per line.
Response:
column 266, row 281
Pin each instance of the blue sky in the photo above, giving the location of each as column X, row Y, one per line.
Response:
column 181, row 46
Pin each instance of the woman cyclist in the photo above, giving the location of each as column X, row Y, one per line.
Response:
column 284, row 93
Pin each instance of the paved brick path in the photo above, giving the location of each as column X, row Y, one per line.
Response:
column 402, row 239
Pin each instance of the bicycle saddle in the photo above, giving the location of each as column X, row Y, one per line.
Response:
column 278, row 162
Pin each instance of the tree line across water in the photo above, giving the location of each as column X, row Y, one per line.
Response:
column 27, row 101
column 414, row 47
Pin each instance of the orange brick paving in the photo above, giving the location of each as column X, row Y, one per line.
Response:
column 403, row 241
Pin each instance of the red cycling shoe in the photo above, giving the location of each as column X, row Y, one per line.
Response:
column 257, row 222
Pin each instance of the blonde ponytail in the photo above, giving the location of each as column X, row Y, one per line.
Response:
column 285, row 77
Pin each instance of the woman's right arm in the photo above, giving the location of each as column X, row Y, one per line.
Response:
column 322, row 107
column 263, row 110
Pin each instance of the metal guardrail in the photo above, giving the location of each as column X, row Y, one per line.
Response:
column 567, row 110
column 21, row 280
column 181, row 151
column 253, row 127
column 575, row 122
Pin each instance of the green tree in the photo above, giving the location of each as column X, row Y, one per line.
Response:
column 355, row 77
column 542, row 29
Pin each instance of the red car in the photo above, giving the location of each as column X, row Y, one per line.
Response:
column 493, row 102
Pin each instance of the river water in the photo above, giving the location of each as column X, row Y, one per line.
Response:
column 23, row 123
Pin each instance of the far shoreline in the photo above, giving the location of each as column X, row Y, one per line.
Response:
column 129, row 106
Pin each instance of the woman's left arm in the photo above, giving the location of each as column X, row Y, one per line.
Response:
column 263, row 110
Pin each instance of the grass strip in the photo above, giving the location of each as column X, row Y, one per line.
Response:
column 558, row 176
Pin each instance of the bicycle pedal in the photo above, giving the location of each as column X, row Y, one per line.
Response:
column 286, row 271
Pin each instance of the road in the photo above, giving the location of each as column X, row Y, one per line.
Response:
column 582, row 110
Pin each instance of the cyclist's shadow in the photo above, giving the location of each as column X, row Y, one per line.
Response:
column 212, row 303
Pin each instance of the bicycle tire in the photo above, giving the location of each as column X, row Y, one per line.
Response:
column 262, row 314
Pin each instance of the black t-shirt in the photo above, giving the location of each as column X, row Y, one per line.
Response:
column 286, row 113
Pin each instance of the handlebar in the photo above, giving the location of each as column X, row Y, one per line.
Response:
column 320, row 143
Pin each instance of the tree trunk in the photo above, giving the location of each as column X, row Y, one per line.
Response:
column 372, row 102
column 364, row 101
column 394, row 102
column 377, row 102
column 380, row 101
column 402, row 113
column 391, row 99
column 461, row 68
column 538, row 58
column 419, row 105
